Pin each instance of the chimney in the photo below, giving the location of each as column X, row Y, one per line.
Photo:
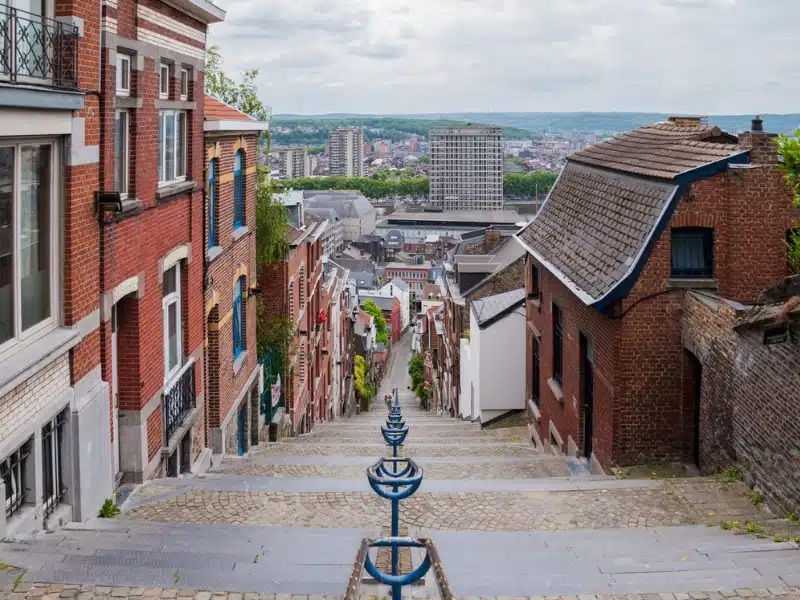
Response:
column 491, row 240
column 762, row 146
column 686, row 121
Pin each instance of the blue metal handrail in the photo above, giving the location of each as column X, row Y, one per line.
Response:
column 397, row 581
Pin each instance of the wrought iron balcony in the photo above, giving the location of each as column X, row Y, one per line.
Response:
column 35, row 50
column 179, row 400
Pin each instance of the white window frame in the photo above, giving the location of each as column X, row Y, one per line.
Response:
column 163, row 81
column 123, row 67
column 125, row 175
column 184, row 84
column 20, row 338
column 166, row 302
column 177, row 140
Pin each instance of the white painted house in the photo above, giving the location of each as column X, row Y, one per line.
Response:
column 493, row 358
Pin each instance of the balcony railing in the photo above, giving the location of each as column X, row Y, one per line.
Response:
column 35, row 50
column 179, row 400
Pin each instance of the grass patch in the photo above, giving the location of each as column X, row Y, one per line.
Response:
column 753, row 528
column 757, row 498
column 730, row 525
column 731, row 475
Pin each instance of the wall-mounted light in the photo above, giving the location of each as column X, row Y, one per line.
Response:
column 255, row 290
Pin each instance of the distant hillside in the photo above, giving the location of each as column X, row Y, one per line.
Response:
column 315, row 128
column 527, row 125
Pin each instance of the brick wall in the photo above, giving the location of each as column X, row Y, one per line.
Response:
column 225, row 386
column 748, row 393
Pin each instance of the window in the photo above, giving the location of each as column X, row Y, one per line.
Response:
column 558, row 343
column 212, row 203
column 123, row 75
column 535, row 289
column 12, row 472
column 171, row 146
column 238, row 190
column 171, row 304
column 163, row 82
column 301, row 282
column 693, row 253
column 238, row 319
column 121, row 152
column 535, row 373
column 52, row 445
column 184, row 84
column 28, row 241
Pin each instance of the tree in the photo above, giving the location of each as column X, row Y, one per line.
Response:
column 416, row 369
column 272, row 221
column 381, row 331
column 242, row 96
column 789, row 148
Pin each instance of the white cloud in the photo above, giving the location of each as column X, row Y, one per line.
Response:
column 406, row 56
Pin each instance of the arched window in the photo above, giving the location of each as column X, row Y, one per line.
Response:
column 238, row 189
column 212, row 203
column 238, row 318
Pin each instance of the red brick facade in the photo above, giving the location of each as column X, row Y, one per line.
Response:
column 639, row 411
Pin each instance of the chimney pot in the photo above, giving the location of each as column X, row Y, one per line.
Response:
column 757, row 124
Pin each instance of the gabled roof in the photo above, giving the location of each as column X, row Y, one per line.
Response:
column 219, row 116
column 382, row 302
column 493, row 308
column 662, row 150
column 400, row 284
column 612, row 201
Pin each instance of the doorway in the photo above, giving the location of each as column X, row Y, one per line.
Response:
column 115, row 387
column 186, row 453
column 241, row 429
column 587, row 393
column 692, row 389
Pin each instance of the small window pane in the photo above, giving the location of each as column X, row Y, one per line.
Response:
column 180, row 135
column 161, row 147
column 123, row 73
column 164, row 89
column 184, row 83
column 35, row 261
column 170, row 285
column 169, row 147
column 172, row 335
column 6, row 245
column 121, row 152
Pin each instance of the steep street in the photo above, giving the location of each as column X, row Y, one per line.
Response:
column 287, row 519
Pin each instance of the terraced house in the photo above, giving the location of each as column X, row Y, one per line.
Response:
column 52, row 395
column 151, row 250
column 232, row 399
column 630, row 225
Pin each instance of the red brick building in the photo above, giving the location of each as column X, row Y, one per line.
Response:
column 631, row 224
column 152, row 252
column 232, row 399
column 293, row 287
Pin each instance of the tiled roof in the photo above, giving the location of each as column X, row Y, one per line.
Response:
column 594, row 226
column 490, row 309
column 214, row 110
column 663, row 150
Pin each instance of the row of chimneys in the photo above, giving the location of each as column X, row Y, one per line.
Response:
column 756, row 124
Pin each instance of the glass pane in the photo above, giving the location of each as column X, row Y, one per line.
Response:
column 180, row 134
column 6, row 244
column 169, row 286
column 172, row 334
column 169, row 156
column 121, row 152
column 161, row 147
column 35, row 235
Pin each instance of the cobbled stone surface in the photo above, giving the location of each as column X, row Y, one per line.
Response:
column 45, row 591
column 543, row 511
column 411, row 449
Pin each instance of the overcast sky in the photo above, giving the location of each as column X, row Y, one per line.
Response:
column 416, row 56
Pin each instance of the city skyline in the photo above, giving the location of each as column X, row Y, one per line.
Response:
column 674, row 56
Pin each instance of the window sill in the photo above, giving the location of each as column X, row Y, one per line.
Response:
column 537, row 414
column 128, row 102
column 557, row 390
column 238, row 363
column 692, row 284
column 240, row 232
column 28, row 360
column 130, row 205
column 172, row 189
column 213, row 252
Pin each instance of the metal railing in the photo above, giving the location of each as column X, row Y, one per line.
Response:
column 273, row 394
column 179, row 399
column 35, row 50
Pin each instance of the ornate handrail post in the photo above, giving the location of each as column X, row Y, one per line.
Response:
column 395, row 485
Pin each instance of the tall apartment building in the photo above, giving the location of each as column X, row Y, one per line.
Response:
column 466, row 167
column 294, row 163
column 346, row 148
